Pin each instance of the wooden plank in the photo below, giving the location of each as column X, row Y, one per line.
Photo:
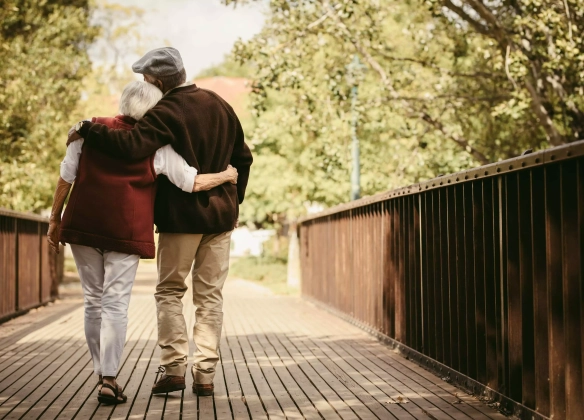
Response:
column 236, row 399
column 47, row 368
column 142, row 400
column 190, row 404
column 426, row 401
column 295, row 383
column 70, row 409
column 172, row 408
column 302, row 387
column 424, row 380
column 249, row 392
column 377, row 402
column 280, row 393
column 41, row 386
column 266, row 395
column 346, row 361
column 23, row 358
column 65, row 390
column 220, row 398
column 156, row 404
column 397, row 364
column 342, row 327
column 31, row 335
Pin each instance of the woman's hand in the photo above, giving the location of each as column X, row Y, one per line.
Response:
column 53, row 234
column 73, row 135
column 231, row 174
column 61, row 193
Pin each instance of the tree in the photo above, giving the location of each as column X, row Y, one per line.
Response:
column 43, row 60
column 438, row 95
column 49, row 83
column 541, row 47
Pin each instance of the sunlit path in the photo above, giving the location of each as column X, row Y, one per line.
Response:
column 281, row 357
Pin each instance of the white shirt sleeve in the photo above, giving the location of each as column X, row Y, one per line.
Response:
column 70, row 164
column 170, row 163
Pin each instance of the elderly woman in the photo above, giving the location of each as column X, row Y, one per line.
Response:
column 109, row 224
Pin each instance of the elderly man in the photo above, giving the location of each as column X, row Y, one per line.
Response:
column 195, row 229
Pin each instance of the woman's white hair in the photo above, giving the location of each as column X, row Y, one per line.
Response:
column 137, row 98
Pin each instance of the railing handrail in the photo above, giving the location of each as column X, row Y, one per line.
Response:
column 23, row 215
column 519, row 163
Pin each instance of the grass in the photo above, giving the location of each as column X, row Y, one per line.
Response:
column 268, row 271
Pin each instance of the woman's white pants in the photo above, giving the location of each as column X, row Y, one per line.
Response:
column 107, row 278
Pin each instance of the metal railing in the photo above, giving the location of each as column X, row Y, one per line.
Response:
column 476, row 276
column 29, row 270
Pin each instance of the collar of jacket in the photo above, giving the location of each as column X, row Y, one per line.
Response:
column 179, row 86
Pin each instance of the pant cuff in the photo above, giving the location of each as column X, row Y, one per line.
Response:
column 175, row 370
column 202, row 378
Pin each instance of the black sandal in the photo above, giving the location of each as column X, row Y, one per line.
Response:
column 112, row 399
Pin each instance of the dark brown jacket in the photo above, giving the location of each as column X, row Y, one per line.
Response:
column 203, row 129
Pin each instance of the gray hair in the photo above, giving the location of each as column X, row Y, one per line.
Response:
column 137, row 98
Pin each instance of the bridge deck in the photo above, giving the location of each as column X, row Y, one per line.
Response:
column 280, row 358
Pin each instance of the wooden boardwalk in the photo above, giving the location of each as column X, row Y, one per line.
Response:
column 281, row 358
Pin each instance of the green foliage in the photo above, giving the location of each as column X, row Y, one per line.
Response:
column 42, row 63
column 48, row 84
column 539, row 47
column 444, row 88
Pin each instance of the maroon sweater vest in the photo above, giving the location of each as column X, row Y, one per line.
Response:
column 111, row 206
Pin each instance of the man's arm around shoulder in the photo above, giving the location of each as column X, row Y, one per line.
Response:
column 148, row 135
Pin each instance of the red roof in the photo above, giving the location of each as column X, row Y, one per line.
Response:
column 233, row 89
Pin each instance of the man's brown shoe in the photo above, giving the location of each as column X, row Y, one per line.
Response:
column 169, row 383
column 203, row 390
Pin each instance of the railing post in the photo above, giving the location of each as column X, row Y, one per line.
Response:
column 422, row 313
column 382, row 267
column 16, row 266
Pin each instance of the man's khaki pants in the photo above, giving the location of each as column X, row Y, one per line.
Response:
column 176, row 254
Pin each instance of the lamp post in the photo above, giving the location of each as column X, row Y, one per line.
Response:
column 353, row 72
column 356, row 172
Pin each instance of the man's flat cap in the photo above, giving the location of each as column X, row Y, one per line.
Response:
column 159, row 62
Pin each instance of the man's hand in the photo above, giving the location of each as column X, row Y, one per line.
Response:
column 231, row 174
column 53, row 234
column 206, row 182
column 73, row 135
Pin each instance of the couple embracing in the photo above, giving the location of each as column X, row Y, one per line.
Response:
column 174, row 157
